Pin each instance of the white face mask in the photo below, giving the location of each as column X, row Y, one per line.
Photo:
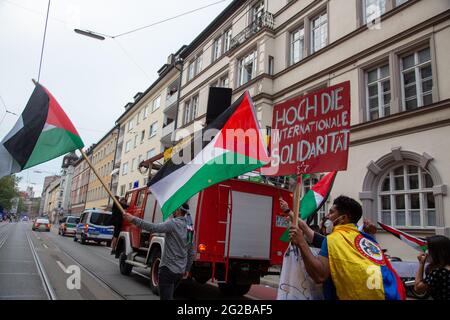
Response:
column 329, row 225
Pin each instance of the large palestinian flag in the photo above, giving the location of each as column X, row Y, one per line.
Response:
column 229, row 146
column 43, row 132
column 314, row 199
column 416, row 243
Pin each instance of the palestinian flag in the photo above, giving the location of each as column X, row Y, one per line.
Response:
column 416, row 243
column 229, row 146
column 43, row 132
column 314, row 199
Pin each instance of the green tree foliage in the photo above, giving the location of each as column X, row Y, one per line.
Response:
column 8, row 190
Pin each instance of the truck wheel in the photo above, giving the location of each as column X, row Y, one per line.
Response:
column 125, row 268
column 232, row 289
column 155, row 260
column 108, row 243
column 75, row 238
column 83, row 239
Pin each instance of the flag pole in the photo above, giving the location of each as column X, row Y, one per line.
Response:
column 297, row 195
column 117, row 203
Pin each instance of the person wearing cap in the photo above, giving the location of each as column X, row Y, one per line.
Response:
column 178, row 254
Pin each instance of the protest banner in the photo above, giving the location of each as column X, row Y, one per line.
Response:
column 311, row 133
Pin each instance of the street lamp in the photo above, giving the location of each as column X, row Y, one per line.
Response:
column 90, row 34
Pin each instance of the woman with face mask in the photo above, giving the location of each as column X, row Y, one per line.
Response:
column 437, row 280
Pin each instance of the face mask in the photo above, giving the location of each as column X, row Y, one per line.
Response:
column 329, row 225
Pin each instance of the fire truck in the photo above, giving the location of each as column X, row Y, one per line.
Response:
column 237, row 226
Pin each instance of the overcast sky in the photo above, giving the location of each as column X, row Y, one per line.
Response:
column 91, row 79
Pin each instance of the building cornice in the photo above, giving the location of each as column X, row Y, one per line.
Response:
column 395, row 118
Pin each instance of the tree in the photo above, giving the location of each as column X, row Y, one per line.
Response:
column 8, row 190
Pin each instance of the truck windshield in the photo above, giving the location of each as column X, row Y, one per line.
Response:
column 100, row 219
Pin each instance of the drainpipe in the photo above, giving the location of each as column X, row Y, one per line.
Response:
column 178, row 64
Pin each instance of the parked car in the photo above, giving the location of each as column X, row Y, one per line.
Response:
column 41, row 224
column 95, row 226
column 68, row 225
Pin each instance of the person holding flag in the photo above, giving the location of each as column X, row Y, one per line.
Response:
column 178, row 254
column 437, row 280
column 350, row 263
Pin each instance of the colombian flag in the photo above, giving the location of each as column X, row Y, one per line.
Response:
column 359, row 269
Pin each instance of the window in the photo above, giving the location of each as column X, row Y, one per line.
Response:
column 156, row 103
column 246, row 68
column 127, row 146
column 130, row 125
column 151, row 153
column 122, row 190
column 297, row 45
column 142, row 136
column 373, row 9
column 186, row 113
column 271, row 65
column 406, row 197
column 191, row 70
column 217, row 48
column 378, row 92
column 153, row 129
column 227, row 40
column 133, row 164
column 146, row 110
column 135, row 140
column 417, row 79
column 139, row 160
column 257, row 12
column 400, row 2
column 190, row 110
column 198, row 63
column 224, row 82
column 194, row 106
column 138, row 117
column 319, row 32
column 125, row 168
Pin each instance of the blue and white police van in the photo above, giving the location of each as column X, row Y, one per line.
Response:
column 95, row 225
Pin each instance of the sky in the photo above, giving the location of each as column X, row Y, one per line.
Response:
column 92, row 80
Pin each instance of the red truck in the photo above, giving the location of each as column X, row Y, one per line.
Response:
column 237, row 226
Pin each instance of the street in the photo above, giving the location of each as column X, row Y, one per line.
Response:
column 33, row 264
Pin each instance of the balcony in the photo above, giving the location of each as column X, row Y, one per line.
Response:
column 265, row 21
column 167, row 130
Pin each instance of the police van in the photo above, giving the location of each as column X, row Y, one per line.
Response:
column 95, row 225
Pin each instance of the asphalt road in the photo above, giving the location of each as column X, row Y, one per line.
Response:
column 40, row 265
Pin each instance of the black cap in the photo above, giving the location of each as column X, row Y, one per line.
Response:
column 185, row 207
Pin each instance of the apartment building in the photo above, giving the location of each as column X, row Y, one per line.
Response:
column 146, row 126
column 79, row 186
column 395, row 55
column 103, row 157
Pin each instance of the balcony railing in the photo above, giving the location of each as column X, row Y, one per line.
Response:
column 265, row 21
column 167, row 132
column 171, row 100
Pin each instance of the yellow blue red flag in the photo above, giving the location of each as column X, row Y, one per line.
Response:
column 359, row 269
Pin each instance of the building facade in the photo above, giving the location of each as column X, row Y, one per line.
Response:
column 103, row 157
column 79, row 186
column 395, row 55
column 47, row 181
column 146, row 127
